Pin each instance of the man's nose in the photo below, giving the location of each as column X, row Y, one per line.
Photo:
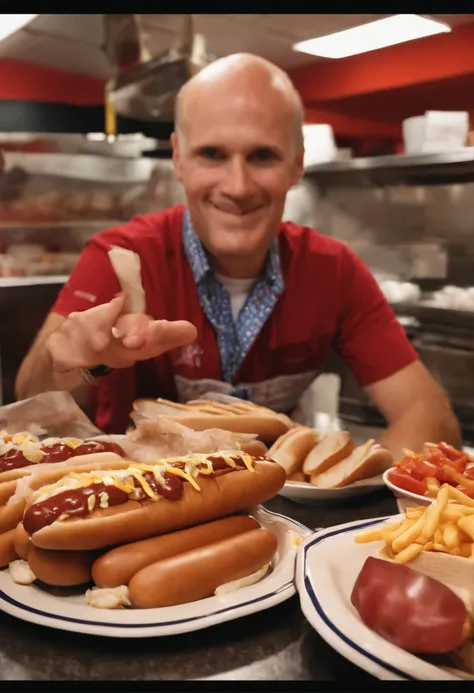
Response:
column 238, row 181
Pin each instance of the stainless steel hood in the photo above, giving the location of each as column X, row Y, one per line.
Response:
column 147, row 79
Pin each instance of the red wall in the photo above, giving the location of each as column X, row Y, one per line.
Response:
column 369, row 95
column 22, row 82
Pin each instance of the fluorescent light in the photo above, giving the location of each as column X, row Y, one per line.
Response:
column 9, row 23
column 372, row 36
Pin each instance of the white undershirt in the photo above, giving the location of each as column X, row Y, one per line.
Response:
column 238, row 290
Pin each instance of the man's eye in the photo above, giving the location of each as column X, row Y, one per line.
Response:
column 264, row 155
column 211, row 153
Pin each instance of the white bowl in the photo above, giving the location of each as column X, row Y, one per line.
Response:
column 401, row 493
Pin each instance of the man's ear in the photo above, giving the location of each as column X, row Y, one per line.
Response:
column 299, row 166
column 176, row 157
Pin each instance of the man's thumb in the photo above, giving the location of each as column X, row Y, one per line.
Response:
column 115, row 308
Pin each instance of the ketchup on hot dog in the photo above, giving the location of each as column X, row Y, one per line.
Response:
column 75, row 502
column 55, row 452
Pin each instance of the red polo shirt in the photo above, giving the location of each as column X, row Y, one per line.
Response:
column 331, row 301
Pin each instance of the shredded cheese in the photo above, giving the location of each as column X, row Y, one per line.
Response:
column 194, row 465
column 179, row 472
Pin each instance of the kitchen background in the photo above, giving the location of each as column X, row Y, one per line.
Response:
column 84, row 147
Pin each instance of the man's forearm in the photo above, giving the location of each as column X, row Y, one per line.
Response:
column 37, row 375
column 418, row 425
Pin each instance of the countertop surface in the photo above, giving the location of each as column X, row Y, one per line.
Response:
column 276, row 644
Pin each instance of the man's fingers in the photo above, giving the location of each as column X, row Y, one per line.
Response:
column 164, row 335
column 133, row 330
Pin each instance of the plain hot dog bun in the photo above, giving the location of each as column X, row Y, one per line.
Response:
column 132, row 520
column 21, row 541
column 241, row 417
column 61, row 568
column 196, row 574
column 366, row 461
column 7, row 548
column 293, row 447
column 332, row 448
column 118, row 566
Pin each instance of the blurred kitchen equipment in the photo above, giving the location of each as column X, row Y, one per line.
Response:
column 319, row 144
column 145, row 85
column 436, row 132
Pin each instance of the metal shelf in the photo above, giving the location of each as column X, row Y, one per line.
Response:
column 398, row 169
column 8, row 282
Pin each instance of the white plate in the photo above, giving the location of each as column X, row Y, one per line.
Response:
column 400, row 493
column 31, row 603
column 303, row 492
column 327, row 567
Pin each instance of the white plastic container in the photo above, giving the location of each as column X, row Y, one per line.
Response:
column 436, row 132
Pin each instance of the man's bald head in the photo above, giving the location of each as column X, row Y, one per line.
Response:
column 246, row 75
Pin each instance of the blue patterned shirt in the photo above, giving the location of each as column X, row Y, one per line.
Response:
column 234, row 339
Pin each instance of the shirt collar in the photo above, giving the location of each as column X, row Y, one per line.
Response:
column 199, row 263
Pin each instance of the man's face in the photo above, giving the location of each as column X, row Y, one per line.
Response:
column 237, row 158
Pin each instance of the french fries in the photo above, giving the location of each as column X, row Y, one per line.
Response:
column 446, row 526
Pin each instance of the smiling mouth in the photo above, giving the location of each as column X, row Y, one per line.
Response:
column 237, row 212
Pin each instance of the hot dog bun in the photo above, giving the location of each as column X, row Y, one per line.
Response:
column 364, row 462
column 12, row 513
column 7, row 548
column 7, row 489
column 218, row 496
column 10, row 516
column 196, row 574
column 203, row 414
column 291, row 449
column 332, row 448
column 61, row 568
column 15, row 474
column 21, row 541
column 118, row 566
column 255, row 448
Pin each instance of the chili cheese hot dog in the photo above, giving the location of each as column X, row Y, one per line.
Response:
column 198, row 573
column 118, row 566
column 106, row 508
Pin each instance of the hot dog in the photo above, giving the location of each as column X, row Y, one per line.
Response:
column 118, row 566
column 291, row 449
column 7, row 548
column 21, row 541
column 198, row 573
column 11, row 512
column 20, row 451
column 105, row 508
column 61, row 568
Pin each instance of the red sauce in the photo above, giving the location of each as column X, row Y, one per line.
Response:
column 57, row 452
column 91, row 446
column 13, row 459
column 74, row 503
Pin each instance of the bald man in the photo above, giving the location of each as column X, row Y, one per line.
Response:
column 236, row 300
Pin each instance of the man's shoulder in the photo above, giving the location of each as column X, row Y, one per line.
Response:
column 158, row 228
column 309, row 242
